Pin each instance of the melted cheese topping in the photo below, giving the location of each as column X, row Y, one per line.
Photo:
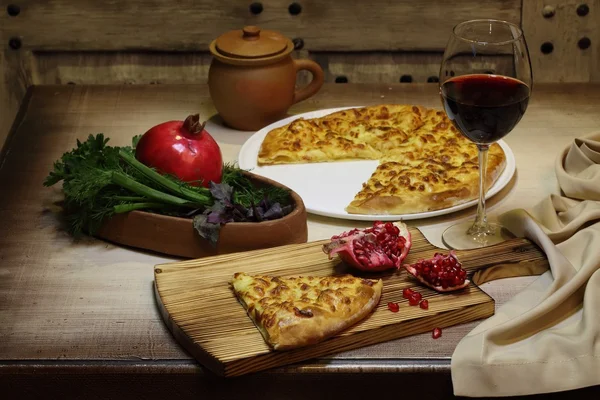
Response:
column 266, row 295
column 292, row 312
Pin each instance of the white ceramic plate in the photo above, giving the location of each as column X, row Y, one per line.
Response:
column 327, row 188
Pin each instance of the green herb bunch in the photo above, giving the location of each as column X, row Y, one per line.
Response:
column 100, row 181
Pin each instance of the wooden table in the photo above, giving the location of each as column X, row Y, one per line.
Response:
column 79, row 318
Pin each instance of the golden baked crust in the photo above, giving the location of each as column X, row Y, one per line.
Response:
column 314, row 141
column 299, row 311
column 350, row 134
column 425, row 185
column 437, row 169
column 425, row 163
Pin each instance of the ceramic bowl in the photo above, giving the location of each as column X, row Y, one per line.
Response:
column 177, row 237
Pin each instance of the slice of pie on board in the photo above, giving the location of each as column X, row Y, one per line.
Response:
column 299, row 311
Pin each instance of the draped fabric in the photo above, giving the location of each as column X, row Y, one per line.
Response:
column 547, row 337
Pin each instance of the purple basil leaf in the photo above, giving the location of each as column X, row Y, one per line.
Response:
column 207, row 230
column 218, row 207
column 261, row 212
column 274, row 212
column 238, row 216
column 257, row 213
column 214, row 218
column 222, row 192
column 287, row 209
column 265, row 203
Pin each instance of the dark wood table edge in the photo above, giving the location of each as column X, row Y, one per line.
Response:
column 181, row 378
column 319, row 366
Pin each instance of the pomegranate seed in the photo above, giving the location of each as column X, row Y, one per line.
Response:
column 393, row 307
column 424, row 304
column 406, row 293
column 437, row 332
column 414, row 300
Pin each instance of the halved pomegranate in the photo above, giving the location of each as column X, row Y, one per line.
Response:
column 380, row 247
column 443, row 273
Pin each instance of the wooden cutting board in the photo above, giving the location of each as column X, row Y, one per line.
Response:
column 204, row 315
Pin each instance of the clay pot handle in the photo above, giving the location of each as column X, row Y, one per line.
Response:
column 318, row 77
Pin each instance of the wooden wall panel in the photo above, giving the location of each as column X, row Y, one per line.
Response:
column 562, row 30
column 134, row 68
column 122, row 67
column 157, row 68
column 189, row 25
column 16, row 75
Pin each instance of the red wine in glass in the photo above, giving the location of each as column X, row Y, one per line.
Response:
column 485, row 107
column 485, row 85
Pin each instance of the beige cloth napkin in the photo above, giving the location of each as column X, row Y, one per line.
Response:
column 546, row 338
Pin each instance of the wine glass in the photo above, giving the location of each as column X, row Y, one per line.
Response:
column 485, row 84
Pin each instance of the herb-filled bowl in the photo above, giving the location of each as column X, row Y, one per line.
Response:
column 177, row 236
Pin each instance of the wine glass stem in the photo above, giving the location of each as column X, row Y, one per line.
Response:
column 481, row 225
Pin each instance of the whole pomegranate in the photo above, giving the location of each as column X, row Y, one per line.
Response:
column 443, row 272
column 183, row 149
column 377, row 248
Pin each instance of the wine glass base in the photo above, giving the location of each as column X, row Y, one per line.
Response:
column 464, row 236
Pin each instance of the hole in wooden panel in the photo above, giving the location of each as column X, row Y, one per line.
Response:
column 295, row 8
column 15, row 43
column 406, row 78
column 341, row 79
column 583, row 10
column 433, row 79
column 547, row 48
column 13, row 10
column 584, row 43
column 548, row 11
column 256, row 8
column 298, row 43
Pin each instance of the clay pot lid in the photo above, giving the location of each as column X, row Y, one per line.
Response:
column 251, row 42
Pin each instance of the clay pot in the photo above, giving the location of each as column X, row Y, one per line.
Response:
column 177, row 236
column 252, row 77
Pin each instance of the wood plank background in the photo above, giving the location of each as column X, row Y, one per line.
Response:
column 190, row 25
column 379, row 41
column 567, row 62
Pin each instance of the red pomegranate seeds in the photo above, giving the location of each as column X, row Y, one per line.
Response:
column 424, row 304
column 414, row 299
column 443, row 273
column 437, row 332
column 406, row 293
column 393, row 307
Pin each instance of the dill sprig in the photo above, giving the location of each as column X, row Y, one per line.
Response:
column 247, row 193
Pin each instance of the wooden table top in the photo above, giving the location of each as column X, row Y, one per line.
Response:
column 66, row 304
